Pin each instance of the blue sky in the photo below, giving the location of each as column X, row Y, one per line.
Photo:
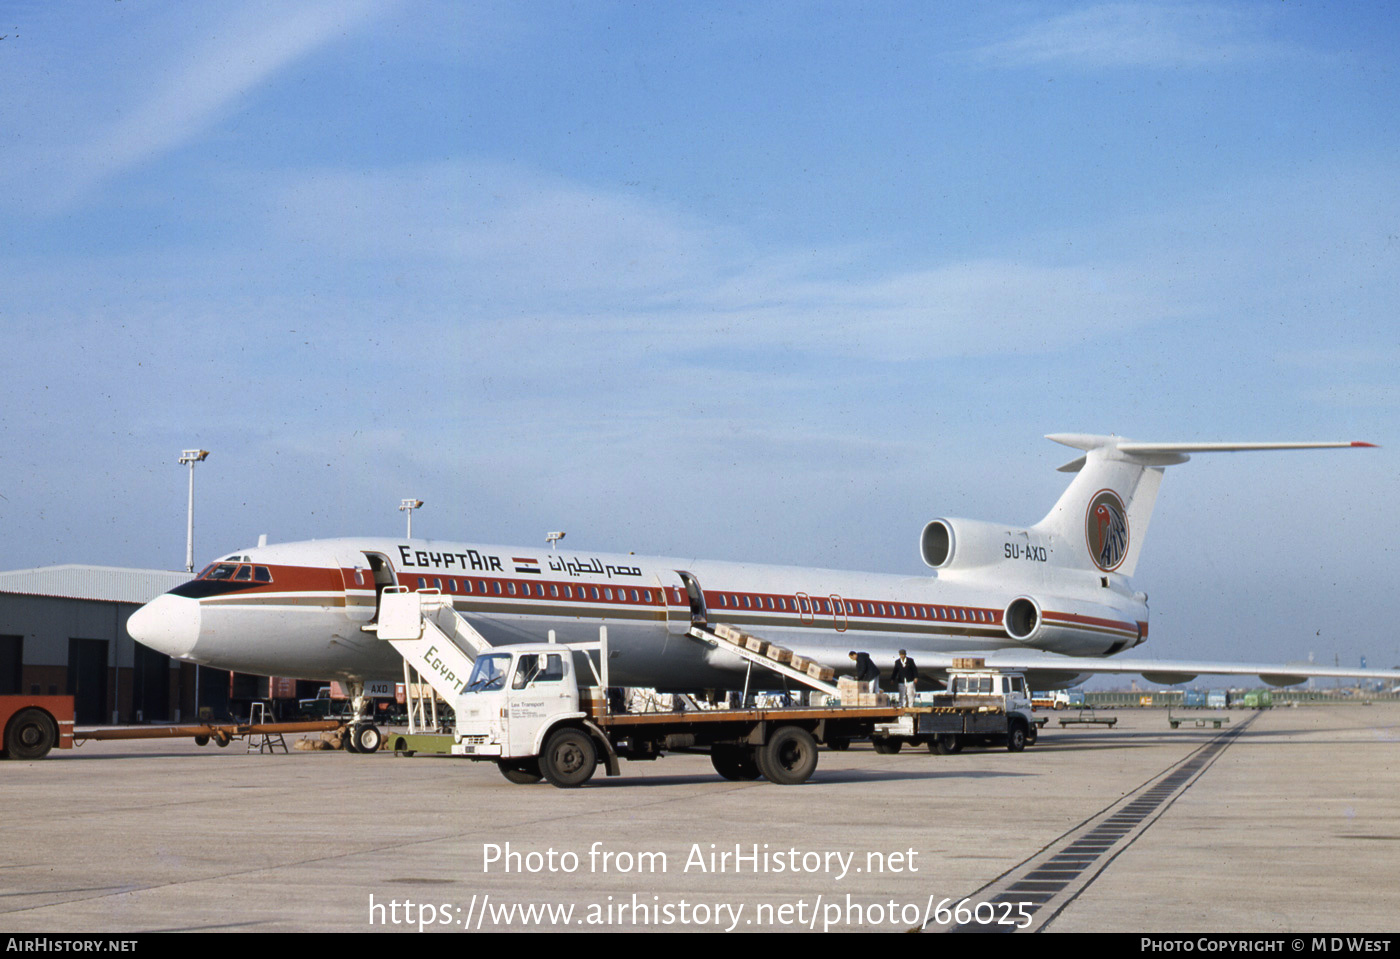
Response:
column 776, row 282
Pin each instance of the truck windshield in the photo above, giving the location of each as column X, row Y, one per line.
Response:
column 489, row 673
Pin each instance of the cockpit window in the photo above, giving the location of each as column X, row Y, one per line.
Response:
column 236, row 573
column 489, row 673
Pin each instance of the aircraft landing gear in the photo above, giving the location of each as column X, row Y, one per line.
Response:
column 362, row 735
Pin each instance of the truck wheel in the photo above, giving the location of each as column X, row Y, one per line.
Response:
column 736, row 763
column 789, row 757
column 1016, row 737
column 888, row 745
column 31, row 734
column 522, row 772
column 222, row 738
column 945, row 744
column 201, row 740
column 569, row 758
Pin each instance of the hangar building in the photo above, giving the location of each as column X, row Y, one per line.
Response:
column 63, row 630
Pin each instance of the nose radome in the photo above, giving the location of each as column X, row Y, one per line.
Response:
column 169, row 624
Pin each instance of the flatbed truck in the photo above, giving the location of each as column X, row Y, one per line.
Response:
column 524, row 708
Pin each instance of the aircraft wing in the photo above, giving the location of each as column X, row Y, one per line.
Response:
column 1052, row 670
column 1173, row 672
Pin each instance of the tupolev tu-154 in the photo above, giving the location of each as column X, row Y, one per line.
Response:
column 1055, row 600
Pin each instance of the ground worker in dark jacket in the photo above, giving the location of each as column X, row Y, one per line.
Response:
column 867, row 673
column 905, row 675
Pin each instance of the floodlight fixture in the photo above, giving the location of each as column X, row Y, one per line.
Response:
column 408, row 506
column 189, row 458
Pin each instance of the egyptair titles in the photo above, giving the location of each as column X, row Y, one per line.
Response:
column 474, row 561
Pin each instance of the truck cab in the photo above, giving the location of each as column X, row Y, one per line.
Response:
column 989, row 686
column 514, row 696
column 980, row 705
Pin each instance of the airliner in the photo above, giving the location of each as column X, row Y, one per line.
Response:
column 1055, row 599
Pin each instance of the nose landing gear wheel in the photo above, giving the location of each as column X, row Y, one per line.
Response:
column 363, row 738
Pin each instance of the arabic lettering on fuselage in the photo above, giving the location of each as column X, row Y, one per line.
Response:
column 590, row 567
column 474, row 561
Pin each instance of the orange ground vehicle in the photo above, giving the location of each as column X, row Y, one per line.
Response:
column 32, row 725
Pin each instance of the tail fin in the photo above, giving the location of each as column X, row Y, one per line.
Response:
column 1107, row 507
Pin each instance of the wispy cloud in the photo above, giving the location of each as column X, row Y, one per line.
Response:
column 596, row 268
column 1143, row 35
column 208, row 68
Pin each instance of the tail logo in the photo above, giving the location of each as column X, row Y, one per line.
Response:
column 1106, row 530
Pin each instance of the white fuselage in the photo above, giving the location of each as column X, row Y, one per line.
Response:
column 296, row 609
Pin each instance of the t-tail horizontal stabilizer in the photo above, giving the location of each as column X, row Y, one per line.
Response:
column 1109, row 502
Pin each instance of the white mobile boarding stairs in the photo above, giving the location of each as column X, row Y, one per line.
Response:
column 770, row 656
column 434, row 640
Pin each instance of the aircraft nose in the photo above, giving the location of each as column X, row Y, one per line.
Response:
column 169, row 624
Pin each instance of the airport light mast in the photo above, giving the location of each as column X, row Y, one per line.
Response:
column 191, row 457
column 408, row 506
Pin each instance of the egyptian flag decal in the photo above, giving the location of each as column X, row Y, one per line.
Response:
column 526, row 565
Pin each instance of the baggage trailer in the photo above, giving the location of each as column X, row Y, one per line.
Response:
column 31, row 726
column 526, row 708
column 202, row 733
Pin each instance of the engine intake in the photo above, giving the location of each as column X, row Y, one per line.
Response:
column 1022, row 618
column 948, row 543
